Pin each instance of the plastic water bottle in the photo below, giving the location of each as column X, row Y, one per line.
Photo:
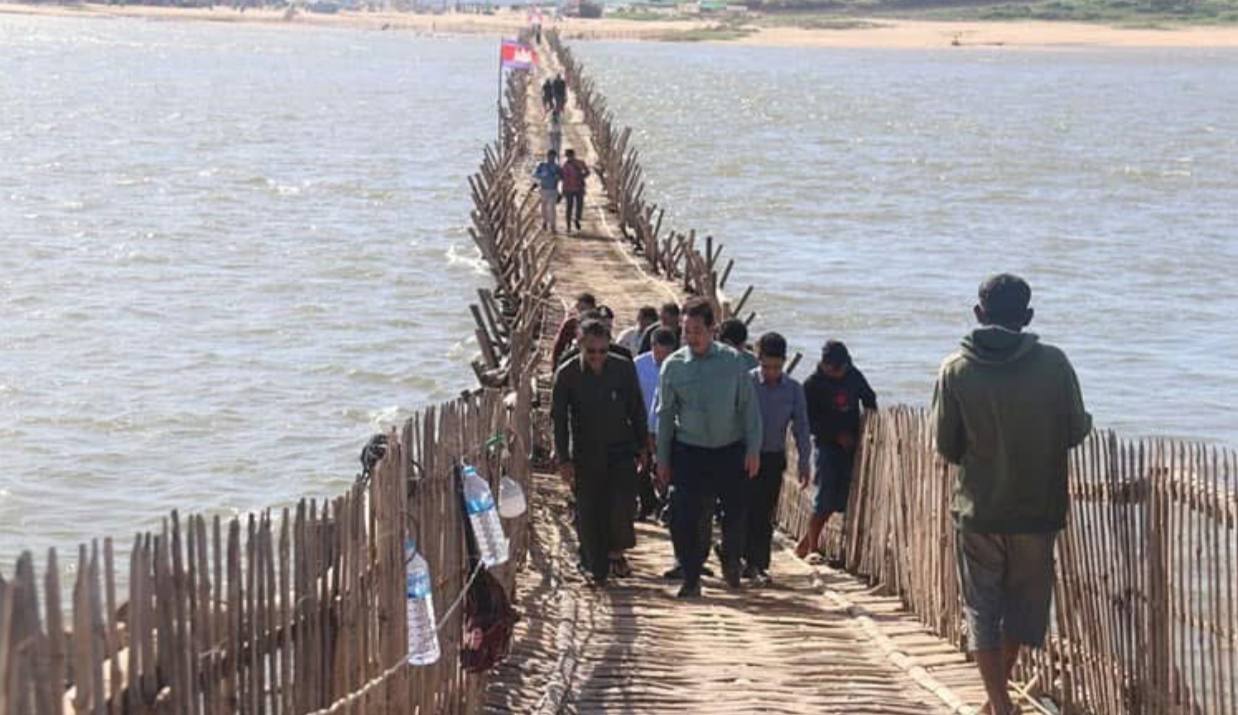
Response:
column 484, row 517
column 423, row 646
column 511, row 498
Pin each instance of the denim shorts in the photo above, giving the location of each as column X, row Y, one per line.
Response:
column 1007, row 585
column 833, row 479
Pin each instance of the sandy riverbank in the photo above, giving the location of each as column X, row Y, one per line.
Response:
column 877, row 33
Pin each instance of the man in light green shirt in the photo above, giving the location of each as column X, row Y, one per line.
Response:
column 709, row 442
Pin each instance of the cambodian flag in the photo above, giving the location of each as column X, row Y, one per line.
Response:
column 517, row 56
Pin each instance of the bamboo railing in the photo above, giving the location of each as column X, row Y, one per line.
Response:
column 1145, row 618
column 301, row 609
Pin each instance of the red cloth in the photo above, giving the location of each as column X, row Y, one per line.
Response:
column 564, row 339
column 574, row 174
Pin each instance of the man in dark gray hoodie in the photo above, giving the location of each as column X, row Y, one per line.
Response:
column 1007, row 409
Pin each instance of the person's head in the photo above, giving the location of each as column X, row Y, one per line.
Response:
column 662, row 343
column 585, row 302
column 1004, row 300
column 669, row 315
column 733, row 332
column 594, row 344
column 607, row 316
column 698, row 325
column 550, row 155
column 772, row 354
column 835, row 359
column 569, row 154
column 645, row 317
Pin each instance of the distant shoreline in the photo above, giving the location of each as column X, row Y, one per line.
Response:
column 876, row 33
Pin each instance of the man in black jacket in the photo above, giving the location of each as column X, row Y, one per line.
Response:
column 835, row 394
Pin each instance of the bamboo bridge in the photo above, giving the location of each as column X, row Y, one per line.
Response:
column 301, row 610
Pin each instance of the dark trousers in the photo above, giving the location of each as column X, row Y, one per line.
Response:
column 573, row 206
column 702, row 475
column 762, row 500
column 646, row 493
column 605, row 499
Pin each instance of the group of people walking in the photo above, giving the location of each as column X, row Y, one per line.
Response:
column 559, row 181
column 680, row 410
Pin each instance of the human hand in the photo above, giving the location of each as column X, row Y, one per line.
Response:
column 567, row 471
column 752, row 465
column 664, row 476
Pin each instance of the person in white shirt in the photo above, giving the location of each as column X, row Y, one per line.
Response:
column 630, row 338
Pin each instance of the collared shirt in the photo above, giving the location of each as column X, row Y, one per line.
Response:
column 647, row 373
column 707, row 401
column 596, row 413
column 782, row 404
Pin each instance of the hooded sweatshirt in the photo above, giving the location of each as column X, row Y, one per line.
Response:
column 1007, row 410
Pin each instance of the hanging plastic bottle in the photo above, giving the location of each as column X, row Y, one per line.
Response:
column 423, row 648
column 511, row 498
column 484, row 517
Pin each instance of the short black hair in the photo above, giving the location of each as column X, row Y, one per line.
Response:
column 772, row 345
column 698, row 307
column 835, row 353
column 732, row 331
column 648, row 313
column 672, row 308
column 588, row 315
column 1005, row 297
column 664, row 337
column 588, row 299
column 569, row 152
column 593, row 328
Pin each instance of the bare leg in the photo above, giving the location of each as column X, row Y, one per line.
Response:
column 812, row 538
column 992, row 667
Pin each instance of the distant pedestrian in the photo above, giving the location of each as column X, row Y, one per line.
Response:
column 648, row 367
column 567, row 333
column 548, row 95
column 733, row 332
column 783, row 405
column 668, row 317
column 574, row 174
column 630, row 337
column 709, row 442
column 1007, row 410
column 835, row 393
column 600, row 435
column 555, row 136
column 559, row 90
column 548, row 175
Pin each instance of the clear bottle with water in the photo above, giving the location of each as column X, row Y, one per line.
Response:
column 484, row 517
column 423, row 648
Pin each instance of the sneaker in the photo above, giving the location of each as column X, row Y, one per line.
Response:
column 689, row 590
column 750, row 572
column 762, row 580
column 675, row 574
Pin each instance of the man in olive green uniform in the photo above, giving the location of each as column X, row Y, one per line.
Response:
column 600, row 432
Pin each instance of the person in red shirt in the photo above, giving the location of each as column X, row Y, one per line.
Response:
column 574, row 174
column 567, row 329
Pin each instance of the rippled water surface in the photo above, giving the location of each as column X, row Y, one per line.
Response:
column 230, row 253
column 866, row 193
column 227, row 255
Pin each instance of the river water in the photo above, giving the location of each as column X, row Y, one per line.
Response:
column 231, row 253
